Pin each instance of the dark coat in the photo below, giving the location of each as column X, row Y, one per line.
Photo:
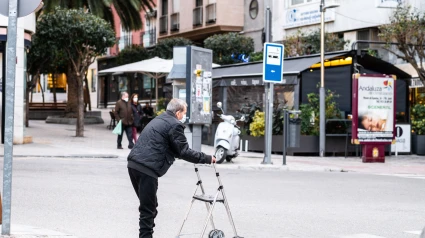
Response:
column 123, row 112
column 161, row 141
column 137, row 114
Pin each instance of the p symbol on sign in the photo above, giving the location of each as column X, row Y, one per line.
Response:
column 399, row 131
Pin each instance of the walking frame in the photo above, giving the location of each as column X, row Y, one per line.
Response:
column 210, row 201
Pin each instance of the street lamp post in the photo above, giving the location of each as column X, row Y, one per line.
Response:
column 322, row 76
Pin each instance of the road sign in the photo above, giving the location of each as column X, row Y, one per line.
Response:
column 24, row 7
column 273, row 63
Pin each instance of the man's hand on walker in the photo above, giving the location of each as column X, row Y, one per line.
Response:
column 213, row 160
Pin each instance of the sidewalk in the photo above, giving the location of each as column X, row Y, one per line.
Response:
column 20, row 231
column 53, row 140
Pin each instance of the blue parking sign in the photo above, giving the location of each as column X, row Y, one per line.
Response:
column 273, row 63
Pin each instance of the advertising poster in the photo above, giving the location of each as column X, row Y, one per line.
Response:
column 373, row 108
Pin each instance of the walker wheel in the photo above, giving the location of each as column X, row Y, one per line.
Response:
column 216, row 234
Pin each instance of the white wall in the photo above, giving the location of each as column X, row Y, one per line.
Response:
column 351, row 15
column 24, row 24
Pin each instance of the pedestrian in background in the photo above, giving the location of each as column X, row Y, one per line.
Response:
column 137, row 115
column 124, row 114
column 148, row 110
column 161, row 141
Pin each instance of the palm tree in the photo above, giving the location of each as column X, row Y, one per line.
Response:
column 127, row 10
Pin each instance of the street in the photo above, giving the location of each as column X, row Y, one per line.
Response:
column 94, row 198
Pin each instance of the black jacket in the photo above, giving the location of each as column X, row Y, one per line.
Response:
column 161, row 141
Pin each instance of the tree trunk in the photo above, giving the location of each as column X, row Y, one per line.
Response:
column 80, row 111
column 41, row 88
column 72, row 102
column 54, row 88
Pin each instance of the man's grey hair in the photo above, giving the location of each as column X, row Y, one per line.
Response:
column 176, row 105
column 123, row 93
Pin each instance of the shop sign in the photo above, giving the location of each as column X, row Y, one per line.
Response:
column 305, row 15
column 416, row 83
column 373, row 108
column 403, row 134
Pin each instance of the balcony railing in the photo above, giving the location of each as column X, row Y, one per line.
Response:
column 175, row 22
column 148, row 38
column 197, row 16
column 163, row 24
column 211, row 13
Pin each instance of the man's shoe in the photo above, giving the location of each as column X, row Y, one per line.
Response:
column 119, row 147
column 130, row 146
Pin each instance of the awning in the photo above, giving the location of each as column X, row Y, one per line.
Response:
column 251, row 74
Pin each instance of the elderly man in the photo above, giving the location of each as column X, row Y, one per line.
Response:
column 124, row 113
column 161, row 141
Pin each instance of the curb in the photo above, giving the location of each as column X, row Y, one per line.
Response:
column 68, row 156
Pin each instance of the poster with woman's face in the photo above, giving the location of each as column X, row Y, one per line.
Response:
column 374, row 113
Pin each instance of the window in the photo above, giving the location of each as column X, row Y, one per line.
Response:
column 253, row 9
column 198, row 3
column 176, row 5
column 297, row 2
column 164, row 7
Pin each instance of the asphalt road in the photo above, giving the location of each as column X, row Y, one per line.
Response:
column 94, row 198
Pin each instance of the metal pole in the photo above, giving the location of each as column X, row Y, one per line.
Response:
column 322, row 106
column 268, row 105
column 10, row 103
column 285, row 134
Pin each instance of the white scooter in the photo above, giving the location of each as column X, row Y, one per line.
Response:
column 226, row 141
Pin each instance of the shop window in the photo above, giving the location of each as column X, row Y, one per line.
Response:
column 148, row 91
column 253, row 9
column 122, row 84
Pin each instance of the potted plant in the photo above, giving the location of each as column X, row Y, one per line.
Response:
column 418, row 129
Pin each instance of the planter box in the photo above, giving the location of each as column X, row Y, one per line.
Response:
column 309, row 145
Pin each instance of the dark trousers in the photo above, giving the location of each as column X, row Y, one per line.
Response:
column 128, row 132
column 145, row 187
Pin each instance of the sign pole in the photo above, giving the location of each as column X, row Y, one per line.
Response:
column 9, row 123
column 269, row 103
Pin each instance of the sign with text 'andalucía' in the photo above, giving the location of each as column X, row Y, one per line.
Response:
column 273, row 63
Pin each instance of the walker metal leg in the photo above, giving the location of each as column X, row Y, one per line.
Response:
column 187, row 215
column 229, row 214
column 209, row 214
column 212, row 218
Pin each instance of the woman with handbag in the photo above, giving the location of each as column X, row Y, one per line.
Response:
column 137, row 115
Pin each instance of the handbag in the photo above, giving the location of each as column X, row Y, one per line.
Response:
column 118, row 129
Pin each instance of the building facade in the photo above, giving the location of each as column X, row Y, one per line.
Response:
column 26, row 27
column 199, row 19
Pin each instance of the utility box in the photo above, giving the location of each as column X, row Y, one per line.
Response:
column 191, row 77
column 192, row 82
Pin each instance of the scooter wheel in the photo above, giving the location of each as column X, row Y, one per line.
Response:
column 228, row 159
column 216, row 234
column 220, row 155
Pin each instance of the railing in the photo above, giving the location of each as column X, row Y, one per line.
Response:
column 211, row 13
column 163, row 24
column 197, row 16
column 175, row 21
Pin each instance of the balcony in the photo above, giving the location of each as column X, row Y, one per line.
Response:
column 197, row 16
column 211, row 13
column 163, row 25
column 175, row 22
